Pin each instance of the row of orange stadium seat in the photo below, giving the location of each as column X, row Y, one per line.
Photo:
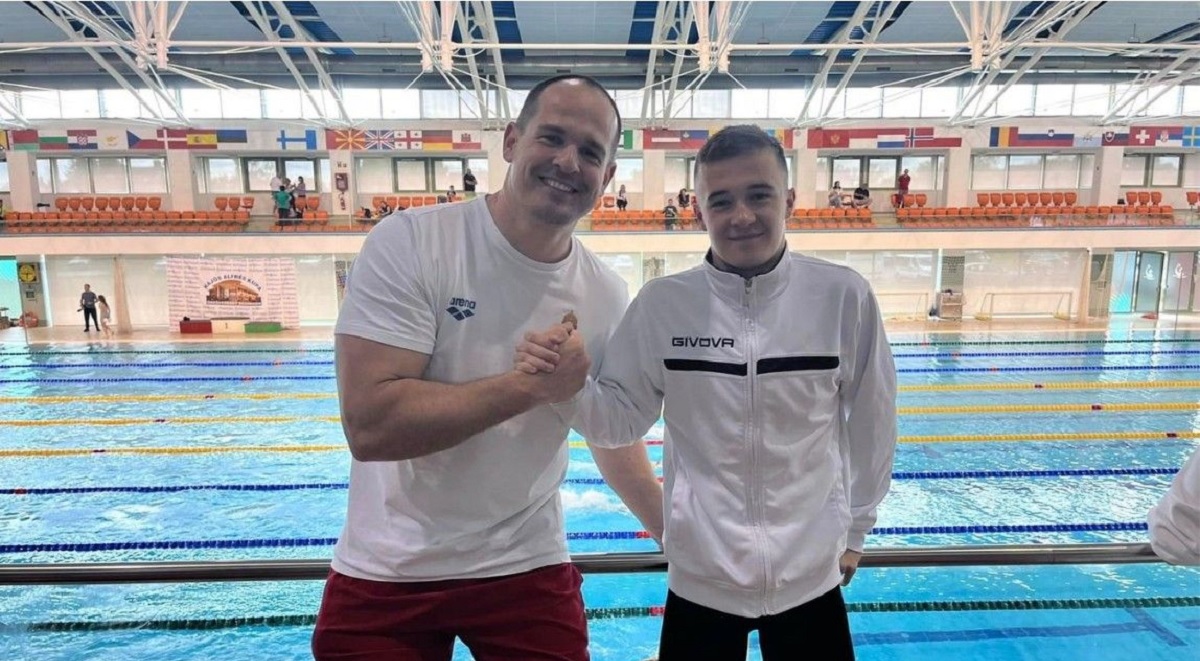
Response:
column 1143, row 198
column 1001, row 212
column 1045, row 198
column 233, row 203
column 404, row 201
column 116, row 202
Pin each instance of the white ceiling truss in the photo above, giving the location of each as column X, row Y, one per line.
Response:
column 475, row 46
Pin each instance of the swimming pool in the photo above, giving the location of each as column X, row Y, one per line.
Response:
column 108, row 453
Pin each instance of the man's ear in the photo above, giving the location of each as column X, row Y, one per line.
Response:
column 512, row 133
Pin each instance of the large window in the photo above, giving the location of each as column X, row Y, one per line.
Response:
column 878, row 171
column 629, row 173
column 260, row 172
column 411, row 175
column 447, row 172
column 924, row 170
column 1152, row 170
column 4, row 185
column 1031, row 171
column 113, row 176
column 221, row 175
column 417, row 175
column 373, row 175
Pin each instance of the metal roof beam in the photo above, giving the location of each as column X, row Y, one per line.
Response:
column 285, row 16
column 877, row 28
column 18, row 120
column 1169, row 74
column 818, row 83
column 258, row 15
column 490, row 33
column 54, row 16
column 658, row 35
column 684, row 31
column 465, row 28
column 1081, row 12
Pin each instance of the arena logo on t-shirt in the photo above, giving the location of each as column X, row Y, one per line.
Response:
column 461, row 308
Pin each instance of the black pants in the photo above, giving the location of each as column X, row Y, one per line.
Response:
column 816, row 630
column 90, row 313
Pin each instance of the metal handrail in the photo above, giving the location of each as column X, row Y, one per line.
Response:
column 588, row 563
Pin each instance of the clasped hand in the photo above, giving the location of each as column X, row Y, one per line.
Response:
column 557, row 358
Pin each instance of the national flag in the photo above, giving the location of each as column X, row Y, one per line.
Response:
column 409, row 140
column 783, row 136
column 197, row 139
column 879, row 138
column 379, row 140
column 1114, row 139
column 231, row 136
column 349, row 139
column 174, row 138
column 467, row 141
column 3, row 140
column 626, row 140
column 1011, row 136
column 53, row 141
column 23, row 140
column 1087, row 141
column 1156, row 136
column 110, row 138
column 1191, row 136
column 440, row 140
column 82, row 139
column 138, row 142
column 670, row 139
column 309, row 139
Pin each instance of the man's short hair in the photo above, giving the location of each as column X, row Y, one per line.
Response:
column 531, row 103
column 739, row 140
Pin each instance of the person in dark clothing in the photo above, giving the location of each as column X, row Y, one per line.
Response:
column 469, row 183
column 87, row 305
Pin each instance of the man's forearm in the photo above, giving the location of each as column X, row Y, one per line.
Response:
column 410, row 418
column 629, row 472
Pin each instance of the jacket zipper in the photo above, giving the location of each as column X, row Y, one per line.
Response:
column 756, row 504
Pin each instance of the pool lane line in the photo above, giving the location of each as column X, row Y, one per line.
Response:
column 299, row 542
column 903, row 410
column 616, row 612
column 955, row 355
column 218, row 449
column 329, row 349
column 950, row 387
column 308, row 486
column 904, row 370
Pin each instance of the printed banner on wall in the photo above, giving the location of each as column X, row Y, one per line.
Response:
column 255, row 289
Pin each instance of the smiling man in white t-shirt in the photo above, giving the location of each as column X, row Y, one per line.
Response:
column 455, row 525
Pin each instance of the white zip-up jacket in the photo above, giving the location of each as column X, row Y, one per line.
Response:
column 1175, row 520
column 779, row 399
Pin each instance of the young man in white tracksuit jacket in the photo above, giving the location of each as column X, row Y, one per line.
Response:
column 777, row 386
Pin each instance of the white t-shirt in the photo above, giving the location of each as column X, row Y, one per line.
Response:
column 444, row 281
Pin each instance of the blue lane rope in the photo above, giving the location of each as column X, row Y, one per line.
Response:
column 96, row 547
column 910, row 475
column 1022, row 354
column 907, row 370
column 324, row 363
column 173, row 379
column 249, row 363
column 327, row 349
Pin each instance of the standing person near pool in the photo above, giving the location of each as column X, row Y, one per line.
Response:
column 777, row 386
column 454, row 525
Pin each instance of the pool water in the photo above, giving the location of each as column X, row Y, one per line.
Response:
column 971, row 469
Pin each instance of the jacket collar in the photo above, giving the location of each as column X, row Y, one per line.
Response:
column 732, row 287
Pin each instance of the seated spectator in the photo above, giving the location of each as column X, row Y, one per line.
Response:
column 835, row 195
column 367, row 214
column 862, row 196
column 443, row 199
column 451, row 195
column 384, row 209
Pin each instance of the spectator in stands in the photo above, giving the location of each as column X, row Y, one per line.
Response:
column 811, row 423
column 1175, row 520
column 385, row 209
column 276, row 182
column 451, row 195
column 835, row 195
column 670, row 214
column 902, row 185
column 684, row 198
column 300, row 195
column 454, row 526
column 862, row 196
column 442, row 199
column 283, row 203
column 622, row 198
column 469, row 183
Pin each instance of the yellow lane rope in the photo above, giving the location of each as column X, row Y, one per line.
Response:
column 904, row 410
column 956, row 387
column 960, row 438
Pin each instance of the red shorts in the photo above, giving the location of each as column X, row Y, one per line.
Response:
column 535, row 616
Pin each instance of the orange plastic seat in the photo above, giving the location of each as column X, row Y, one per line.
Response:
column 74, row 203
column 88, row 203
column 247, row 203
column 154, row 202
column 61, row 203
column 1071, row 197
column 1057, row 198
column 1155, row 197
column 1020, row 199
column 313, row 202
column 922, row 198
column 140, row 203
column 1007, row 199
column 221, row 203
column 996, row 199
column 1193, row 197
column 1045, row 198
column 101, row 204
column 127, row 203
column 982, row 199
column 1143, row 198
column 910, row 200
